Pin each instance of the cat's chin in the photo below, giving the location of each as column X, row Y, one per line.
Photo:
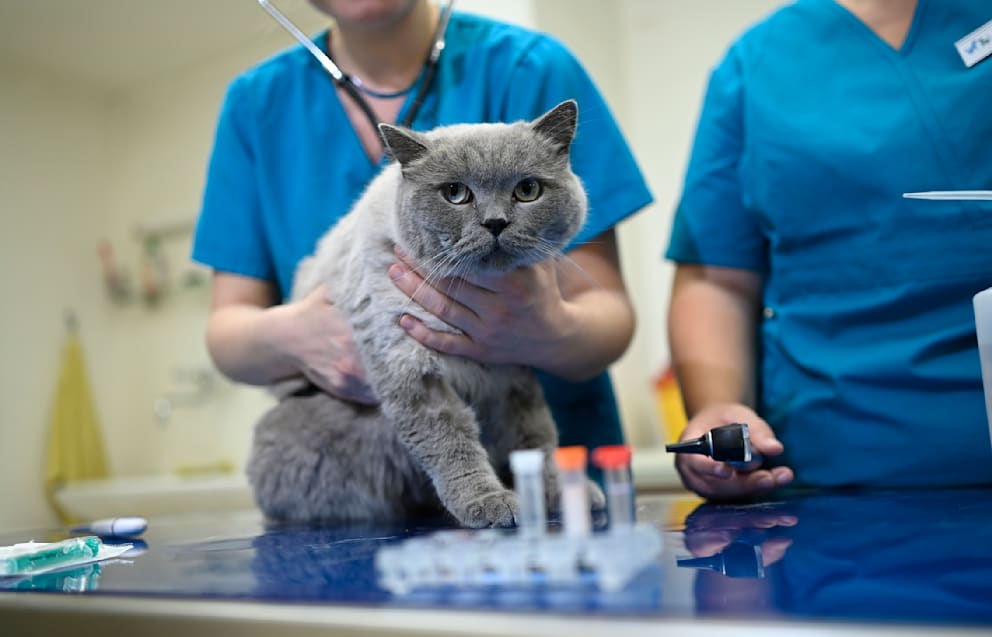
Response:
column 499, row 260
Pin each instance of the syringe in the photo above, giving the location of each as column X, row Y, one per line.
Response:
column 31, row 557
column 614, row 460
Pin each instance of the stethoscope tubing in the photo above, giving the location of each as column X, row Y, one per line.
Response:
column 345, row 82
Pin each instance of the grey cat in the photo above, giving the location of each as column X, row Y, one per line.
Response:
column 467, row 198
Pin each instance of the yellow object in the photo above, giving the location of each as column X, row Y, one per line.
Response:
column 668, row 402
column 679, row 510
column 75, row 446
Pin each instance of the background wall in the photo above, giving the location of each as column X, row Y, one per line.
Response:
column 651, row 58
column 106, row 120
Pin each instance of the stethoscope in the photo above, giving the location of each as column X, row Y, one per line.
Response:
column 352, row 85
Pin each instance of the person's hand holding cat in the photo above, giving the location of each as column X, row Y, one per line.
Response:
column 509, row 319
column 326, row 350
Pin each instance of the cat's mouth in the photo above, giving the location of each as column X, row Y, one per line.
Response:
column 502, row 255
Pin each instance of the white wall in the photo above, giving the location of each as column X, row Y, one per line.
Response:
column 78, row 163
column 54, row 148
column 652, row 59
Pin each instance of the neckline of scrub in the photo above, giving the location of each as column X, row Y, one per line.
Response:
column 911, row 35
column 322, row 40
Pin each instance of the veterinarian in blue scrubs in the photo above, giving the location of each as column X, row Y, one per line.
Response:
column 810, row 296
column 294, row 150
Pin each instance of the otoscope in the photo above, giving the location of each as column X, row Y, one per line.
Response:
column 738, row 559
column 728, row 443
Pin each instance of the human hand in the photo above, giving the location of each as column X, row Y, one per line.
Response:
column 711, row 529
column 512, row 318
column 719, row 480
column 324, row 349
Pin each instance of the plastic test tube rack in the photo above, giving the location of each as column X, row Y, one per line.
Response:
column 531, row 556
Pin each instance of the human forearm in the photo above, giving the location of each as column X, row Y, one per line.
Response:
column 597, row 328
column 712, row 322
column 246, row 344
column 253, row 341
column 596, row 322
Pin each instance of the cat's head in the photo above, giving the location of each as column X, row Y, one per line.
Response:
column 487, row 197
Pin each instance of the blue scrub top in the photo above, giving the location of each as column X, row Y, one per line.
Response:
column 287, row 164
column 811, row 130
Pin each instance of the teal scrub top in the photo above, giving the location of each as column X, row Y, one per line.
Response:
column 286, row 164
column 811, row 129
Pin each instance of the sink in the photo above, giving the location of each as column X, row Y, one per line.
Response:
column 167, row 494
column 155, row 495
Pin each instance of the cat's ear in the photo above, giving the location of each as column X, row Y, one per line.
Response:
column 559, row 124
column 402, row 145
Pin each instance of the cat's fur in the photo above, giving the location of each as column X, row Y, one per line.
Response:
column 446, row 425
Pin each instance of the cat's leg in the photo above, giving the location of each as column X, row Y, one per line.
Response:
column 523, row 420
column 316, row 458
column 437, row 427
column 519, row 418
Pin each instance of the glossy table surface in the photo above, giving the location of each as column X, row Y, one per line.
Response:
column 918, row 560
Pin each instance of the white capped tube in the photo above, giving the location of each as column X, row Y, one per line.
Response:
column 614, row 460
column 575, row 513
column 527, row 466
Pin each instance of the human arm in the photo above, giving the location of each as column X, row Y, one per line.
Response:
column 712, row 325
column 569, row 317
column 252, row 340
column 251, row 337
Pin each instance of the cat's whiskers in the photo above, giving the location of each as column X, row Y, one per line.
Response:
column 461, row 271
column 552, row 251
column 433, row 262
column 432, row 271
column 547, row 249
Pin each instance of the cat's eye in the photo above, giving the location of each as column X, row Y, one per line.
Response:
column 456, row 193
column 527, row 190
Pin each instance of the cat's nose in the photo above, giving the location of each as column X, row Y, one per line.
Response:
column 495, row 226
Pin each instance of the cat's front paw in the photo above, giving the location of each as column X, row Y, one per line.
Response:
column 494, row 509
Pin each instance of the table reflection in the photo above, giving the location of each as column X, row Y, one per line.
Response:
column 921, row 556
column 335, row 564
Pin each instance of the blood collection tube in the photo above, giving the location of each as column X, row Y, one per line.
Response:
column 528, row 481
column 575, row 514
column 614, row 460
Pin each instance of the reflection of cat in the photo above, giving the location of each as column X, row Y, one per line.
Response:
column 463, row 199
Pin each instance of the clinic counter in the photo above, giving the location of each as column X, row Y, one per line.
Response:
column 824, row 563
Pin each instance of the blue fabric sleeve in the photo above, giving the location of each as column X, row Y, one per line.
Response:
column 547, row 74
column 712, row 225
column 230, row 236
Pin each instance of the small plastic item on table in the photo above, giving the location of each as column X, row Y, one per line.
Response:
column 123, row 527
column 34, row 557
column 614, row 460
